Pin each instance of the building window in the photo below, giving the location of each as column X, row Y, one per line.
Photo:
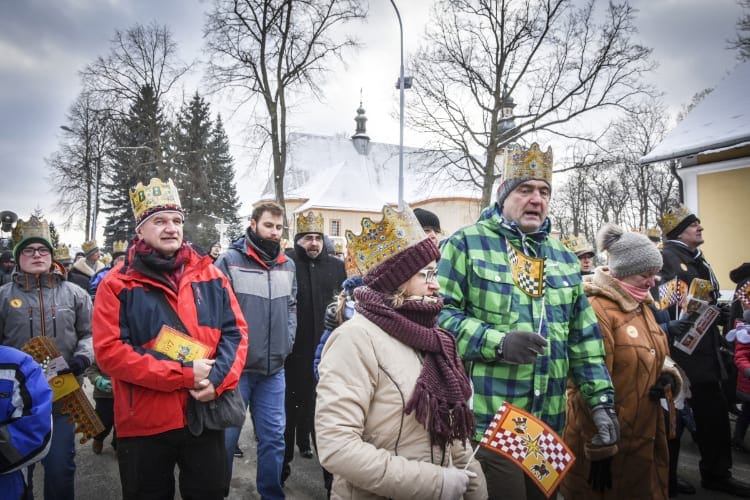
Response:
column 335, row 227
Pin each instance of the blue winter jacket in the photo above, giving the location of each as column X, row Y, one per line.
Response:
column 268, row 299
column 25, row 418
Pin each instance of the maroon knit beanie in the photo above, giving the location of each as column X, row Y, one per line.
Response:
column 387, row 276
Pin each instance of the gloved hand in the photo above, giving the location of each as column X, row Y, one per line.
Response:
column 455, row 482
column 103, row 384
column 677, row 328
column 76, row 366
column 522, row 347
column 725, row 311
column 600, row 474
column 607, row 426
column 656, row 392
column 746, row 372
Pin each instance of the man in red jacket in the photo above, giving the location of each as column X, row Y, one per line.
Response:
column 164, row 284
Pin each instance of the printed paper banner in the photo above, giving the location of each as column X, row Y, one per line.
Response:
column 528, row 272
column 531, row 444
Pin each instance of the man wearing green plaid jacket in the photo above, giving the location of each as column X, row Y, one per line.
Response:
column 514, row 300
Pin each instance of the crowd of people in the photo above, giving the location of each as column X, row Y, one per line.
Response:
column 388, row 362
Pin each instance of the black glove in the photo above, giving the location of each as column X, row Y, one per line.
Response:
column 725, row 312
column 521, row 347
column 656, row 392
column 600, row 474
column 678, row 328
column 77, row 365
column 746, row 372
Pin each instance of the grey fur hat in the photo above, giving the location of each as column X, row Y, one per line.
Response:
column 629, row 253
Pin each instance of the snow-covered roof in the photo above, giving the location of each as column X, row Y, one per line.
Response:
column 720, row 120
column 328, row 172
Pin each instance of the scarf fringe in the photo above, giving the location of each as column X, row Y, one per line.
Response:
column 444, row 423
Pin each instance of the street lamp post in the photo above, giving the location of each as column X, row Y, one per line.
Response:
column 401, row 85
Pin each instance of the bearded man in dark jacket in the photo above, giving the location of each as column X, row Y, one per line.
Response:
column 319, row 276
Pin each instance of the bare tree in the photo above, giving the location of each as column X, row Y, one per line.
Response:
column 608, row 184
column 77, row 168
column 562, row 62
column 268, row 50
column 742, row 41
column 139, row 57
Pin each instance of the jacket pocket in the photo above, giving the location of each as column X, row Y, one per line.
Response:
column 492, row 284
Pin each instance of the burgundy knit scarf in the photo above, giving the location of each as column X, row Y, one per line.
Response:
column 442, row 388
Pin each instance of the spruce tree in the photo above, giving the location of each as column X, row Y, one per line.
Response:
column 139, row 154
column 222, row 181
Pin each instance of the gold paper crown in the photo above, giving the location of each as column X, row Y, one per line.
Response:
column 157, row 195
column 673, row 216
column 529, row 163
column 310, row 223
column 62, row 253
column 381, row 240
column 653, row 232
column 119, row 246
column 350, row 266
column 89, row 245
column 32, row 228
column 106, row 259
column 578, row 245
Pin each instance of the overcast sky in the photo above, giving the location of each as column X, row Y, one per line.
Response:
column 44, row 43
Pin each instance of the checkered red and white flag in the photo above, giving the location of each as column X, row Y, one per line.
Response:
column 531, row 444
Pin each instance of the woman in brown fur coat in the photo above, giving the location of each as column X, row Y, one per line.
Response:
column 636, row 347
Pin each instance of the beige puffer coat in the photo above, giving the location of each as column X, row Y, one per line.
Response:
column 372, row 448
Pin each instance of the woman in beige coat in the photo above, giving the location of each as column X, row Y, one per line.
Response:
column 391, row 415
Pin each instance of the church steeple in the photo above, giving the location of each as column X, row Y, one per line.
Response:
column 360, row 139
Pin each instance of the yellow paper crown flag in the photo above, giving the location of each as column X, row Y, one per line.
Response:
column 381, row 240
column 155, row 197
column 531, row 445
column 310, row 223
column 529, row 163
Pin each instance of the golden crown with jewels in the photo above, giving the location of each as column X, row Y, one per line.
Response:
column 152, row 198
column 529, row 163
column 89, row 245
column 578, row 245
column 310, row 223
column 119, row 246
column 381, row 240
column 653, row 232
column 673, row 216
column 62, row 253
column 32, row 228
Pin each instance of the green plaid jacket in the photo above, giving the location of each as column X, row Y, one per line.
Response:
column 482, row 304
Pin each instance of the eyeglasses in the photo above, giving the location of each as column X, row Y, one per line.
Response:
column 430, row 275
column 30, row 251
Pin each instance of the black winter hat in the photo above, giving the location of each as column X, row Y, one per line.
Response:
column 427, row 219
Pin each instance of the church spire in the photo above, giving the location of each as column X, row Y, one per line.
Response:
column 360, row 139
